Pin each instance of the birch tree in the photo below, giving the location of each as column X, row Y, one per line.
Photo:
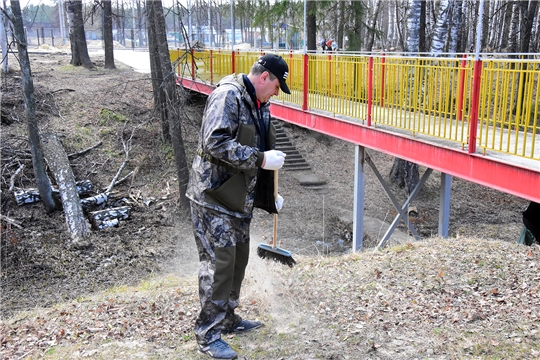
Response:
column 513, row 43
column 441, row 28
column 457, row 25
column 405, row 173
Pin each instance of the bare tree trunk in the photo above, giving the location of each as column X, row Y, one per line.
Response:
column 506, row 28
column 401, row 34
column 172, row 105
column 528, row 9
column 514, row 35
column 440, row 32
column 373, row 24
column 42, row 179
column 355, row 37
column 456, row 34
column 311, row 24
column 4, row 38
column 485, row 25
column 422, row 43
column 107, row 35
column 59, row 164
column 79, row 50
column 341, row 25
column 160, row 105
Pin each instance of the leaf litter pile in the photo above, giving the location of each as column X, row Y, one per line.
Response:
column 438, row 298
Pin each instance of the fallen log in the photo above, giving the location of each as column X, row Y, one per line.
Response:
column 59, row 165
column 95, row 200
column 27, row 196
column 31, row 195
column 110, row 217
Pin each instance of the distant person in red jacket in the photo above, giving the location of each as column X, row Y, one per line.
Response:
column 329, row 44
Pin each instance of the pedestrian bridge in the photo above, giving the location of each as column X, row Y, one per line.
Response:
column 477, row 119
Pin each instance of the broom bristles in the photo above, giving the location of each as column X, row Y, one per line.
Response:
column 282, row 256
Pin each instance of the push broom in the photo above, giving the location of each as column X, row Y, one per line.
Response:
column 271, row 251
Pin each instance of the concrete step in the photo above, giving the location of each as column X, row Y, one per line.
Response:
column 294, row 157
column 310, row 180
column 286, row 148
column 304, row 167
column 295, row 161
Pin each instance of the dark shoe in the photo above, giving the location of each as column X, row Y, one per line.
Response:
column 218, row 349
column 243, row 326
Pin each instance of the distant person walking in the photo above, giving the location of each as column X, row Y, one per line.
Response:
column 323, row 45
column 329, row 44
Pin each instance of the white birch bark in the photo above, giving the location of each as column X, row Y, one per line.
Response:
column 440, row 32
column 392, row 21
column 59, row 164
column 457, row 26
column 513, row 43
column 413, row 25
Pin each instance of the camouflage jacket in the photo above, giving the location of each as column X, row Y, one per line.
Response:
column 227, row 164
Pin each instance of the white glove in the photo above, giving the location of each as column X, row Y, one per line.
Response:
column 279, row 203
column 273, row 160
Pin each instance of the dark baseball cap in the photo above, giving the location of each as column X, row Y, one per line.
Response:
column 278, row 67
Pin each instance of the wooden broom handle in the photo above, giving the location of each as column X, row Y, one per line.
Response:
column 274, row 238
column 275, row 184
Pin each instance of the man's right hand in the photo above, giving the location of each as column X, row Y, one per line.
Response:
column 273, row 160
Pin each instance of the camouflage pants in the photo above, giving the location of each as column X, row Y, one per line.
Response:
column 223, row 245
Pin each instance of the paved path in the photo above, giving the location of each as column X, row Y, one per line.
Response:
column 138, row 60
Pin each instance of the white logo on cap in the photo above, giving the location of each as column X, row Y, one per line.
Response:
column 285, row 75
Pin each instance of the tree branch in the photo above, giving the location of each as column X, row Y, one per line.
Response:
column 127, row 148
column 10, row 221
column 82, row 152
column 14, row 176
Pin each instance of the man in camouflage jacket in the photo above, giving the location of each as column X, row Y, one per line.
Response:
column 232, row 172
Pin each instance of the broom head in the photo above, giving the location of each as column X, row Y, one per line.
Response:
column 284, row 257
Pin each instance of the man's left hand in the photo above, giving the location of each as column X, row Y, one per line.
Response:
column 279, row 203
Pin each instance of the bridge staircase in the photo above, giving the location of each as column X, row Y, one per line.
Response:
column 295, row 162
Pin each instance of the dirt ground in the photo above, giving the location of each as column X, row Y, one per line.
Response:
column 61, row 301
